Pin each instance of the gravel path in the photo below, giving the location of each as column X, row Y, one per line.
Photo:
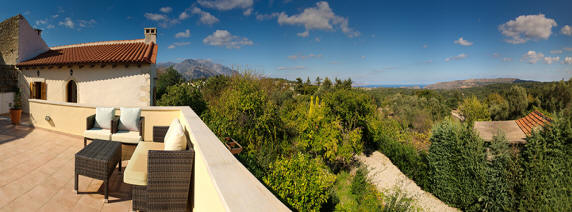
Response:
column 387, row 177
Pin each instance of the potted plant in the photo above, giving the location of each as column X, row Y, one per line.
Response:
column 16, row 108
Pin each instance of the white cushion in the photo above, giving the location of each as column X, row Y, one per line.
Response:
column 103, row 117
column 136, row 170
column 175, row 137
column 129, row 119
column 125, row 136
column 98, row 133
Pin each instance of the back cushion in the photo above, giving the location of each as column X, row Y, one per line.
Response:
column 129, row 119
column 103, row 117
column 175, row 138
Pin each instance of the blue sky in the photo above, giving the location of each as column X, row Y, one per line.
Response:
column 373, row 42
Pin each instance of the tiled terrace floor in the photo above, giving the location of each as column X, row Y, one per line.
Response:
column 37, row 174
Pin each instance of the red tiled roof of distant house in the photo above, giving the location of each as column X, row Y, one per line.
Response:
column 126, row 52
column 532, row 121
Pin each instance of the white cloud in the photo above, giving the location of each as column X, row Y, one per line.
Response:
column 425, row 46
column 224, row 38
column 496, row 54
column 176, row 44
column 566, row 30
column 55, row 16
column 527, row 27
column 320, row 17
column 185, row 34
column 41, row 22
column 458, row 57
column 550, row 60
column 206, row 17
column 166, row 9
column 567, row 60
column 428, row 61
column 285, row 68
column 67, row 23
column 532, row 57
column 317, row 39
column 557, row 51
column 568, row 49
column 263, row 17
column 507, row 59
column 302, row 57
column 86, row 23
column 363, row 57
column 184, row 15
column 156, row 17
column 226, row 4
column 50, row 26
column 247, row 12
column 463, row 42
column 303, row 34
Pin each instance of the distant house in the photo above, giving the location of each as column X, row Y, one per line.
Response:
column 515, row 131
column 118, row 73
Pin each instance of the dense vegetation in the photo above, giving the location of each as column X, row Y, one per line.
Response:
column 300, row 138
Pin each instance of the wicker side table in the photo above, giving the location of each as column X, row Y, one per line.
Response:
column 98, row 160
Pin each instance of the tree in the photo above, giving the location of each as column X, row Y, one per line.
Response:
column 318, row 81
column 327, row 84
column 517, row 101
column 299, row 86
column 168, row 78
column 184, row 94
column 457, row 165
column 498, row 107
column 473, row 110
column 300, row 181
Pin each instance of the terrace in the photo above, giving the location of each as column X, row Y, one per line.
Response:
column 37, row 165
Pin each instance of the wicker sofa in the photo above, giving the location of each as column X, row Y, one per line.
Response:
column 94, row 133
column 161, row 179
column 126, row 137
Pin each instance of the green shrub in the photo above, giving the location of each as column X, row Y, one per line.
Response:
column 184, row 94
column 457, row 165
column 344, row 199
column 398, row 201
column 546, row 169
column 168, row 78
column 474, row 110
column 300, row 181
column 502, row 176
column 359, row 183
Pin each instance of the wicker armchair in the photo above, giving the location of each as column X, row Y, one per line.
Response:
column 92, row 133
column 169, row 180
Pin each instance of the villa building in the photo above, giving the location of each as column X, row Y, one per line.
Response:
column 109, row 73
column 515, row 131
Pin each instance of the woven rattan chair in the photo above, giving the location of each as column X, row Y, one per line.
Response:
column 169, row 176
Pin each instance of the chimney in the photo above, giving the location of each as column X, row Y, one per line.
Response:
column 39, row 31
column 150, row 35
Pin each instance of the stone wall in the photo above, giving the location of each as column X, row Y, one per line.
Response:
column 9, row 40
column 8, row 78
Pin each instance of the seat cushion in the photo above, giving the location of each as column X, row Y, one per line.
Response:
column 124, row 136
column 175, row 138
column 129, row 119
column 98, row 133
column 136, row 171
column 103, row 117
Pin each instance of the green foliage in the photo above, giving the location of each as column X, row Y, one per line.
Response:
column 502, row 176
column 498, row 107
column 557, row 96
column 518, row 101
column 473, row 110
column 184, row 94
column 395, row 143
column 300, row 181
column 457, row 165
column 324, row 136
column 546, row 174
column 17, row 101
column 398, row 201
column 350, row 106
column 344, row 199
column 168, row 78
column 412, row 111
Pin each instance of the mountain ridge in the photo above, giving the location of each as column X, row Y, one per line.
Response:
column 469, row 83
column 197, row 68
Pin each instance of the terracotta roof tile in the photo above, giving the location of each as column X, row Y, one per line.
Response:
column 129, row 51
column 532, row 121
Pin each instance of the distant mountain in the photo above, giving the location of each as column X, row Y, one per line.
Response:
column 195, row 69
column 472, row 83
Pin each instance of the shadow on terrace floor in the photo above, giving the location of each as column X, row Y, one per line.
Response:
column 10, row 132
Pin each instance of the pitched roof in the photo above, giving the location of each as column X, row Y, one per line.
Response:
column 532, row 121
column 126, row 51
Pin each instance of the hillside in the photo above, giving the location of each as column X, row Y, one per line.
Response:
column 195, row 69
column 471, row 83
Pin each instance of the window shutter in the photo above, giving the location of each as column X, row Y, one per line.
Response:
column 32, row 90
column 44, row 90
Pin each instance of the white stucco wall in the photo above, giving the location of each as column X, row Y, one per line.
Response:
column 5, row 100
column 30, row 44
column 108, row 86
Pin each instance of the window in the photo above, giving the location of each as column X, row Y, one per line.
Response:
column 72, row 91
column 38, row 90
